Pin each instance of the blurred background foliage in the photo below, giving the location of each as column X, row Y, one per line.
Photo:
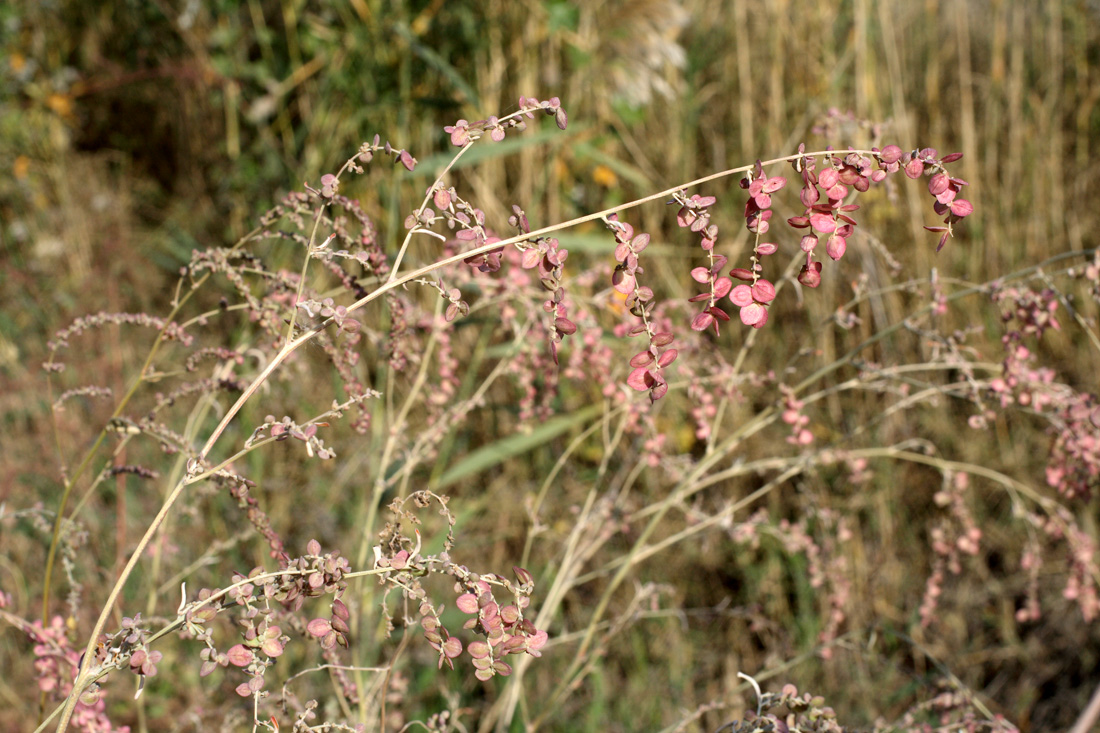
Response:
column 133, row 131
column 199, row 114
column 155, row 127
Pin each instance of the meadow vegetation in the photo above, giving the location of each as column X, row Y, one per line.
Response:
column 348, row 386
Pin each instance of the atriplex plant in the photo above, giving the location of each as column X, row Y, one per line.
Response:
column 292, row 309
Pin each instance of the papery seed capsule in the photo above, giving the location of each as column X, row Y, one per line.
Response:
column 810, row 275
column 836, row 246
column 891, row 154
column 938, row 183
column 741, row 296
column 763, row 291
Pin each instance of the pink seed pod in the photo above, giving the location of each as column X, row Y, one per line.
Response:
column 810, row 275
column 763, row 291
column 741, row 296
column 836, row 246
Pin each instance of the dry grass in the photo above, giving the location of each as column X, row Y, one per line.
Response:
column 168, row 138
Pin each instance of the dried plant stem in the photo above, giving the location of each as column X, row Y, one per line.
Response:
column 198, row 605
column 195, row 472
column 1089, row 715
column 177, row 305
column 569, row 678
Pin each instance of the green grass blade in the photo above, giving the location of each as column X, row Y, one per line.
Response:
column 515, row 445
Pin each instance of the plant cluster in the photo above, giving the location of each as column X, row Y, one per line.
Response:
column 557, row 330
